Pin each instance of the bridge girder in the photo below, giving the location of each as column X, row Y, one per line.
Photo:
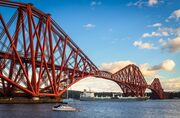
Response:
column 157, row 90
column 39, row 59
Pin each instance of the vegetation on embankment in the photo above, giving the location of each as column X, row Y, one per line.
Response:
column 23, row 100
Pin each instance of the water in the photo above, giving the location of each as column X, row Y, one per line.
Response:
column 96, row 109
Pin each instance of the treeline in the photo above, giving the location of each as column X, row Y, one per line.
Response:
column 168, row 95
column 172, row 95
column 72, row 94
column 76, row 94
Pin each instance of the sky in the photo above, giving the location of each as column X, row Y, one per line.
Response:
column 115, row 33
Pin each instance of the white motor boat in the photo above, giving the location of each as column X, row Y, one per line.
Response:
column 64, row 107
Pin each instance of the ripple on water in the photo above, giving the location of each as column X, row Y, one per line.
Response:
column 96, row 109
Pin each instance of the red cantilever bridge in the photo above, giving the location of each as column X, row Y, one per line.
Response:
column 37, row 58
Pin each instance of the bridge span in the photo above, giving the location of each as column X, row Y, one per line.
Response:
column 37, row 58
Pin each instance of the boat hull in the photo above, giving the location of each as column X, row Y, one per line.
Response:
column 87, row 99
column 66, row 108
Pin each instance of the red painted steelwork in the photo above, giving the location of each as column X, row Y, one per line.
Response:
column 38, row 58
column 157, row 90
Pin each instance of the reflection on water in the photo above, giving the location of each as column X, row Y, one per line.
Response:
column 96, row 109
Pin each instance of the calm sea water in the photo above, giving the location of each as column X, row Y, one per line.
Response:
column 96, row 109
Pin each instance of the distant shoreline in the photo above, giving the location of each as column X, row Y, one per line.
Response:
column 23, row 100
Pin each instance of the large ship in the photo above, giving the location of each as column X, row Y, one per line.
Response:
column 89, row 96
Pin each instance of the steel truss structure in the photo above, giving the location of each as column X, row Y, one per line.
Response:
column 37, row 58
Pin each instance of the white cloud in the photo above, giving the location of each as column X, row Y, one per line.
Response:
column 178, row 31
column 167, row 29
column 172, row 84
column 161, row 32
column 162, row 42
column 175, row 14
column 156, row 25
column 102, row 85
column 89, row 25
column 171, row 45
column 152, row 71
column 146, row 35
column 174, row 44
column 146, row 69
column 141, row 3
column 170, row 31
column 153, row 34
column 164, row 33
column 115, row 66
column 167, row 65
column 96, row 85
column 142, row 45
column 152, row 2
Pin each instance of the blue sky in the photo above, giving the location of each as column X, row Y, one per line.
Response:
column 114, row 33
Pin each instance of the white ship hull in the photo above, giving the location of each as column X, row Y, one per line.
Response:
column 64, row 108
column 115, row 99
column 86, row 99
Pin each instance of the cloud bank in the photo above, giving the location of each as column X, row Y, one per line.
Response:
column 175, row 14
column 115, row 66
column 146, row 69
column 170, row 45
column 172, row 84
column 102, row 85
